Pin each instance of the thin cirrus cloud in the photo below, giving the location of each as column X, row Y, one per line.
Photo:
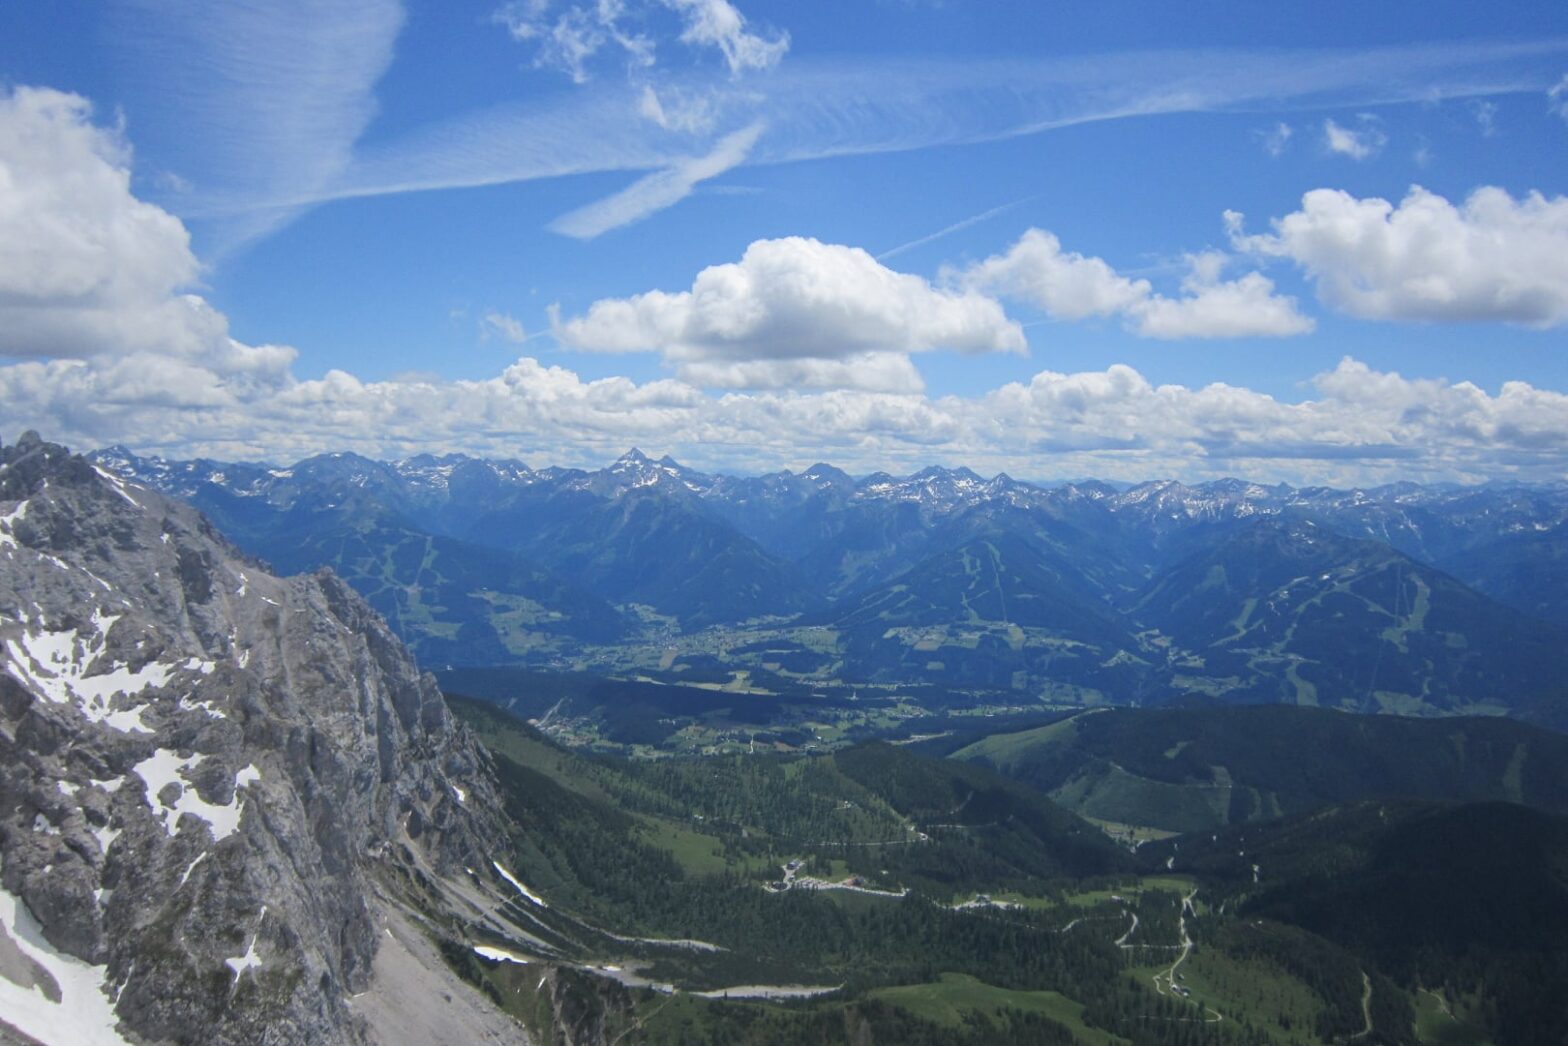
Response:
column 948, row 230
column 256, row 105
column 1485, row 114
column 1276, row 139
column 502, row 325
column 826, row 107
column 1358, row 143
column 717, row 23
column 818, row 108
column 657, row 191
column 1557, row 98
column 570, row 38
column 677, row 109
column 263, row 127
column 1491, row 258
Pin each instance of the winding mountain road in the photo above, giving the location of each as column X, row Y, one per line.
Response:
column 1366, row 1007
column 1167, row 979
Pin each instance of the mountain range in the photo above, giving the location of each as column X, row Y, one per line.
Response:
column 1397, row 598
column 234, row 810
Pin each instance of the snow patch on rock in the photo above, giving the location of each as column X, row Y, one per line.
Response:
column 118, row 485
column 484, row 951
column 250, row 960
column 55, row 665
column 165, row 767
column 71, row 1006
column 15, row 515
column 525, row 891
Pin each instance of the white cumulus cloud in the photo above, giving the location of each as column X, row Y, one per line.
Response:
column 1362, row 423
column 85, row 267
column 1071, row 286
column 795, row 299
column 1065, row 284
column 866, row 371
column 89, row 270
column 1209, row 307
column 1490, row 258
column 1357, row 425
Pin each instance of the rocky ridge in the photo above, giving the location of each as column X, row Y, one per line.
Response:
column 220, row 791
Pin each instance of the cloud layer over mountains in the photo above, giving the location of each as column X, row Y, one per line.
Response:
column 796, row 351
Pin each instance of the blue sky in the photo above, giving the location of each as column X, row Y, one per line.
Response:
column 1319, row 242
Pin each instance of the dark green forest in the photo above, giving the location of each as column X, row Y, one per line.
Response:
column 936, row 901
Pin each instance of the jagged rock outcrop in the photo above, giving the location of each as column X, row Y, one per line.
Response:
column 213, row 781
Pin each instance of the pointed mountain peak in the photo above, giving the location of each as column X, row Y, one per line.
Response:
column 962, row 472
column 426, row 461
column 634, row 470
column 120, row 458
column 1091, row 488
column 31, row 463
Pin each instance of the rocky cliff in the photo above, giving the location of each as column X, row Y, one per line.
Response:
column 228, row 801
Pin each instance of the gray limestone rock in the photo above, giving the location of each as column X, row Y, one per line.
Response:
column 209, row 774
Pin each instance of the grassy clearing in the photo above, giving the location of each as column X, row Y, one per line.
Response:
column 697, row 853
column 1119, row 796
column 1306, row 692
column 1176, row 884
column 1392, row 703
column 946, row 1001
column 1135, row 833
column 1006, row 751
column 1255, row 991
column 1094, row 898
column 535, row 755
column 1023, row 900
column 1437, row 1025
